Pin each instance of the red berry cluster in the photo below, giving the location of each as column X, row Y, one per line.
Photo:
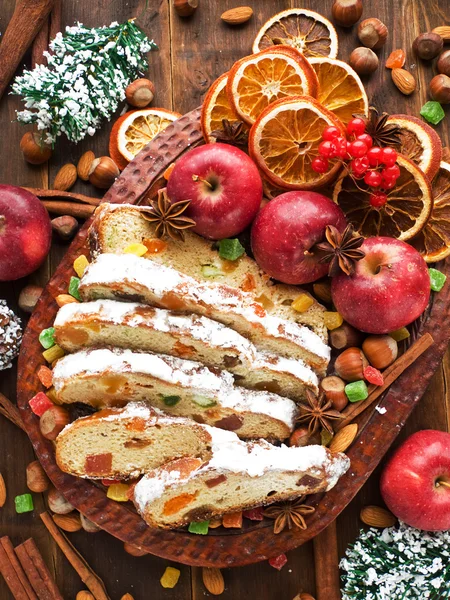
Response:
column 377, row 166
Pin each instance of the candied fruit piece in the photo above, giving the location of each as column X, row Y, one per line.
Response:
column 73, row 287
column 437, row 279
column 302, row 303
column 155, row 245
column 200, row 528
column 231, row 249
column 176, row 504
column 432, row 112
column 373, row 376
column 255, row 514
column 356, row 391
column 118, row 492
column 40, row 403
column 232, row 520
column 332, row 320
column 170, row 578
column 80, row 265
column 47, row 337
column 53, row 353
column 278, row 562
column 45, row 376
column 96, row 464
column 24, row 503
column 396, row 59
column 400, row 334
column 137, row 249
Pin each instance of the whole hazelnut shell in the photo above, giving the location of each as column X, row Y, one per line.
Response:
column 363, row 60
column 103, row 172
column 440, row 88
column 372, row 33
column 428, row 45
column 443, row 63
column 34, row 150
column 347, row 12
column 350, row 364
column 380, row 350
column 140, row 93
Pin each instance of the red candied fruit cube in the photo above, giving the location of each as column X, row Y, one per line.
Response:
column 255, row 514
column 108, row 482
column 373, row 376
column 278, row 562
column 40, row 403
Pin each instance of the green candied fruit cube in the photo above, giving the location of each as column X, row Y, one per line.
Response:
column 356, row 391
column 437, row 279
column 211, row 271
column 47, row 337
column 432, row 112
column 231, row 249
column 200, row 528
column 171, row 400
column 24, row 503
column 73, row 287
column 204, row 401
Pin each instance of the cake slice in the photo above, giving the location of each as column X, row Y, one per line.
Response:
column 116, row 226
column 106, row 377
column 237, row 477
column 135, row 278
column 128, row 442
column 148, row 329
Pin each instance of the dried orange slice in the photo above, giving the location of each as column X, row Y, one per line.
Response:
column 418, row 142
column 303, row 29
column 285, row 138
column 216, row 107
column 340, row 88
column 258, row 80
column 134, row 130
column 433, row 242
column 405, row 213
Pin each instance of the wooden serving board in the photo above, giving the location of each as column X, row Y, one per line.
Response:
column 255, row 542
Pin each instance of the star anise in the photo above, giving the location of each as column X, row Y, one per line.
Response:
column 382, row 133
column 288, row 514
column 168, row 217
column 232, row 132
column 341, row 250
column 317, row 413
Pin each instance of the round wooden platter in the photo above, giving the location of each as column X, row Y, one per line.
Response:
column 255, row 542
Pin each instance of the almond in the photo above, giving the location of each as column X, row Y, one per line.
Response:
column 238, row 15
column 37, row 480
column 213, row 580
column 69, row 522
column 2, row 491
column 63, row 299
column 404, row 81
column 65, row 178
column 443, row 31
column 84, row 165
column 84, row 595
column 375, row 516
column 344, row 438
column 127, row 597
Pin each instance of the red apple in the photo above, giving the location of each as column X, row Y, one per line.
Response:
column 388, row 290
column 25, row 233
column 415, row 483
column 223, row 185
column 285, row 231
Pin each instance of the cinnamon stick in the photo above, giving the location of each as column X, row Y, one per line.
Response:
column 326, row 560
column 40, row 45
column 13, row 573
column 79, row 211
column 390, row 375
column 37, row 572
column 55, row 19
column 27, row 20
column 10, row 411
column 45, row 194
column 87, row 575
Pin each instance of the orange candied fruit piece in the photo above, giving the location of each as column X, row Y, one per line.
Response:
column 232, row 520
column 155, row 245
column 45, row 376
column 396, row 59
column 168, row 171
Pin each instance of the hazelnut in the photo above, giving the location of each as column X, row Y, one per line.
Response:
column 57, row 503
column 28, row 297
column 88, row 525
column 33, row 149
column 65, row 227
column 140, row 93
column 84, row 595
column 350, row 364
column 300, row 437
column 53, row 422
column 345, row 336
column 440, row 89
column 333, row 387
column 37, row 480
column 185, row 8
column 380, row 350
column 347, row 12
column 372, row 33
column 428, row 45
column 443, row 63
column 363, row 60
column 103, row 172
column 69, row 523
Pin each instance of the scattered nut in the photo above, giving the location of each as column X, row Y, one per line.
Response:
column 347, row 12
column 127, row 597
column 344, row 337
column 84, row 165
column 372, row 33
column 57, row 503
column 322, row 290
column 380, row 350
column 300, row 437
column 185, row 8
column 29, row 296
column 350, row 364
column 375, row 516
column 440, row 88
column 103, row 172
column 69, row 523
column 2, row 491
column 333, row 387
column 443, row 63
column 53, row 422
column 304, row 596
column 34, row 150
column 37, row 480
column 237, row 16
column 63, row 299
column 363, row 60
column 443, row 31
column 344, row 438
column 88, row 525
column 65, row 227
column 134, row 550
column 140, row 93
column 65, row 178
column 84, row 595
column 404, row 81
column 428, row 45
column 213, row 580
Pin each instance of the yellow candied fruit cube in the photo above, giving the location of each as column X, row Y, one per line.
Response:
column 53, row 353
column 80, row 264
column 137, row 249
column 332, row 320
column 302, row 303
column 118, row 492
column 400, row 334
column 170, row 577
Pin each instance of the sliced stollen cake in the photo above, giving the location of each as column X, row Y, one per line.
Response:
column 135, row 278
column 106, row 377
column 237, row 477
column 148, row 329
column 127, row 442
column 116, row 226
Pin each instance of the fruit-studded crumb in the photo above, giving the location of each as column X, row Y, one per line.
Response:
column 10, row 336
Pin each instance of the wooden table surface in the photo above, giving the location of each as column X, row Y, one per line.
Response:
column 192, row 53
